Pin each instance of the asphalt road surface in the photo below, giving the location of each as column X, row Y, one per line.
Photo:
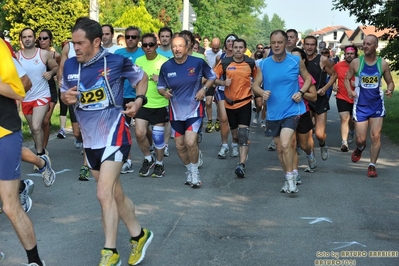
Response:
column 339, row 214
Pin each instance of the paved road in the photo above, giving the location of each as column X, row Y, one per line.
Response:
column 228, row 221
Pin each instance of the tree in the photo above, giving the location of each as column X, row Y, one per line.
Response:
column 111, row 11
column 382, row 15
column 58, row 16
column 277, row 23
column 138, row 16
column 307, row 32
column 167, row 11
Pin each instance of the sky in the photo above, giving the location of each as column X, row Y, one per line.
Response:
column 309, row 14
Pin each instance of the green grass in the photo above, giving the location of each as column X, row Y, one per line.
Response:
column 390, row 127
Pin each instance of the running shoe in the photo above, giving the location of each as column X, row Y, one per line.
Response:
column 145, row 169
column 324, row 153
column 284, row 189
column 199, row 137
column 195, row 180
column 166, row 151
column 200, row 160
column 78, row 144
column 272, row 146
column 48, row 173
column 140, row 247
column 371, row 171
column 1, row 256
column 344, row 146
column 159, row 171
column 84, row 173
column 188, row 178
column 256, row 118
column 217, row 125
column 127, row 167
column 297, row 178
column 109, row 258
column 24, row 198
column 61, row 134
column 209, row 127
column 240, row 170
column 262, row 123
column 234, row 151
column 312, row 163
column 356, row 155
column 224, row 150
column 292, row 188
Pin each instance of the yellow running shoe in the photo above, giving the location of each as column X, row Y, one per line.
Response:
column 139, row 248
column 109, row 258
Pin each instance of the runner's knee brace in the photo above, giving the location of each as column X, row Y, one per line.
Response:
column 158, row 137
column 243, row 136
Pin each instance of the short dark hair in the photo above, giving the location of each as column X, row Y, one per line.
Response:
column 310, row 37
column 240, row 40
column 34, row 33
column 189, row 34
column 197, row 36
column 281, row 32
column 165, row 29
column 149, row 35
column 292, row 30
column 91, row 27
column 110, row 28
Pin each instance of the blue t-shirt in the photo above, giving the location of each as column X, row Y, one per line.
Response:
column 184, row 81
column 129, row 92
column 281, row 78
column 168, row 54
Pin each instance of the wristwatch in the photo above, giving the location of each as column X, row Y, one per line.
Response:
column 205, row 88
column 143, row 98
column 302, row 93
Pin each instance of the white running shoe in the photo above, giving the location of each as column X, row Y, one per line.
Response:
column 324, row 153
column 224, row 150
column 272, row 146
column 48, row 173
column 284, row 189
column 292, row 188
column 188, row 178
column 195, row 180
column 24, row 198
column 166, row 151
column 127, row 167
column 234, row 151
column 312, row 163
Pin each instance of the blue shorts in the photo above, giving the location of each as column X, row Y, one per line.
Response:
column 10, row 161
column 95, row 157
column 179, row 128
column 219, row 95
column 362, row 113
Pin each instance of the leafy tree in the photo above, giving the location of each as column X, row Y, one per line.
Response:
column 307, row 32
column 167, row 11
column 138, row 16
column 111, row 11
column 277, row 23
column 58, row 16
column 382, row 15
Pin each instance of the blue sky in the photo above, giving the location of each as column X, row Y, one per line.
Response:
column 309, row 14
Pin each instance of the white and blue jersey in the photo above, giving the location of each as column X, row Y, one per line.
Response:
column 184, row 81
column 281, row 78
column 99, row 106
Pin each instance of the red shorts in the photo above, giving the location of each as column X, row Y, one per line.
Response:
column 27, row 107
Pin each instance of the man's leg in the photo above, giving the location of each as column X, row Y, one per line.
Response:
column 320, row 132
column 224, row 128
column 35, row 123
column 208, row 109
column 46, row 125
column 345, row 116
column 375, row 136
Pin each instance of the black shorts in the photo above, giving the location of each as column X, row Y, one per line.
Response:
column 153, row 115
column 210, row 91
column 305, row 123
column 95, row 157
column 320, row 106
column 239, row 116
column 53, row 90
column 344, row 106
column 273, row 128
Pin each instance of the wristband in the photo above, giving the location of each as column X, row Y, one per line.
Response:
column 143, row 98
column 302, row 93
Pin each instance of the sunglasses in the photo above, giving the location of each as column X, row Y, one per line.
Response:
column 134, row 37
column 145, row 45
column 43, row 38
column 325, row 53
column 259, row 48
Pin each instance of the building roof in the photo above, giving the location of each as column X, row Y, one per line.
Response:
column 347, row 33
column 369, row 30
column 328, row 29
